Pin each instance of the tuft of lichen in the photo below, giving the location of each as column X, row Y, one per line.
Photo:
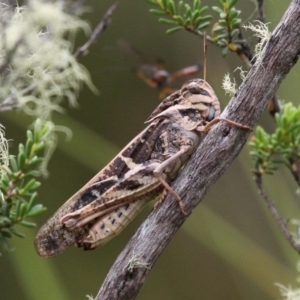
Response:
column 37, row 68
column 261, row 31
column 229, row 86
column 4, row 154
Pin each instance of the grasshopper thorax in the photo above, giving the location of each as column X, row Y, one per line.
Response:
column 197, row 93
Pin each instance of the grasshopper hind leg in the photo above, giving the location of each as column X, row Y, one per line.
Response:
column 110, row 225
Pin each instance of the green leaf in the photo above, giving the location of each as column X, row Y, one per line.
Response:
column 45, row 130
column 164, row 4
column 152, row 2
column 21, row 160
column 31, row 173
column 166, row 21
column 5, row 180
column 238, row 41
column 18, row 209
column 36, row 210
column 197, row 22
column 21, row 148
column 233, row 14
column 218, row 29
column 4, row 221
column 221, row 2
column 157, row 12
column 179, row 20
column 171, row 7
column 196, row 4
column 41, row 146
column 13, row 164
column 225, row 51
column 222, row 36
column 17, row 233
column 34, row 161
column 222, row 43
column 188, row 12
column 195, row 15
column 4, row 242
column 31, row 185
column 27, row 224
column 28, row 147
column 205, row 18
column 223, row 15
column 6, row 234
column 29, row 135
column 235, row 33
column 217, row 9
column 174, row 29
column 236, row 22
column 31, row 201
column 203, row 25
column 187, row 22
column 222, row 23
column 203, row 10
column 232, row 3
column 180, row 7
column 23, row 210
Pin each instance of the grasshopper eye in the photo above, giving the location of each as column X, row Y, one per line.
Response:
column 211, row 114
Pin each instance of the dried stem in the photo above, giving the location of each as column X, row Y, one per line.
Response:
column 10, row 102
column 295, row 167
column 220, row 147
column 270, row 204
column 260, row 11
column 98, row 30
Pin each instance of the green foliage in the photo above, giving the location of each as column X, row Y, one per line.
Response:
column 182, row 15
column 225, row 33
column 227, row 30
column 18, row 184
column 269, row 150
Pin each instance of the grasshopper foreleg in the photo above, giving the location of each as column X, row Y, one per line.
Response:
column 173, row 163
column 206, row 128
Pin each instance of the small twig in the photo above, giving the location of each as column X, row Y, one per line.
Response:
column 9, row 55
column 245, row 53
column 10, row 102
column 260, row 11
column 273, row 106
column 295, row 167
column 98, row 30
column 200, row 33
column 270, row 204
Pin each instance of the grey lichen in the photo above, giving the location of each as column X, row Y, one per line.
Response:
column 37, row 68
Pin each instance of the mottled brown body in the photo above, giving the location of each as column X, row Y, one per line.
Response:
column 140, row 173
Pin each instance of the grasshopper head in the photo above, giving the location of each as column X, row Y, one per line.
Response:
column 198, row 94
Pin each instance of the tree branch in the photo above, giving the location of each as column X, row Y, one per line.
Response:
column 270, row 204
column 215, row 154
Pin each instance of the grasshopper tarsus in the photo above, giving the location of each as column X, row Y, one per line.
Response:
column 235, row 124
column 163, row 197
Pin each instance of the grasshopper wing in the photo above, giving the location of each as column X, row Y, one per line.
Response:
column 54, row 237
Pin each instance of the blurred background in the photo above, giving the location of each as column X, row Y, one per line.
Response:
column 229, row 248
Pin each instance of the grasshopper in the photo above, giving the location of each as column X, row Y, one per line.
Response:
column 141, row 172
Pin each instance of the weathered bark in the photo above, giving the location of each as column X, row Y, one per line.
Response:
column 215, row 154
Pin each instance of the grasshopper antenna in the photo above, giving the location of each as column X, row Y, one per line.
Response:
column 204, row 53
